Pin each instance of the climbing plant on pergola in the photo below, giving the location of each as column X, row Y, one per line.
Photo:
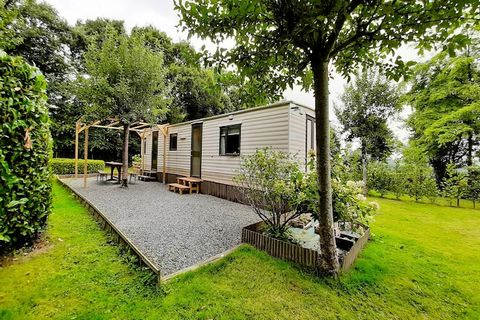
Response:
column 143, row 129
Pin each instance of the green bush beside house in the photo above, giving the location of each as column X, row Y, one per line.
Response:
column 67, row 166
column 25, row 149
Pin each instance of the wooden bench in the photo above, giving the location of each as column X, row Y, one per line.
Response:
column 193, row 183
column 177, row 186
column 101, row 174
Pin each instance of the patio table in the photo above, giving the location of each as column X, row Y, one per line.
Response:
column 118, row 166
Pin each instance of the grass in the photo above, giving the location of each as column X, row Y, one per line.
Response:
column 422, row 263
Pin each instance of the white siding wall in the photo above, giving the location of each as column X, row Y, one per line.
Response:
column 298, row 131
column 147, row 153
column 259, row 128
column 178, row 162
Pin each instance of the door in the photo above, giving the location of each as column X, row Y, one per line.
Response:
column 154, row 151
column 196, row 152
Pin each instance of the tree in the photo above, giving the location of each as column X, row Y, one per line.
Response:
column 445, row 97
column 418, row 174
column 124, row 80
column 473, row 183
column 454, row 184
column 36, row 32
column 368, row 103
column 381, row 177
column 282, row 42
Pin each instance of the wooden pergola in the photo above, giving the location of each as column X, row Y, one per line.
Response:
column 143, row 129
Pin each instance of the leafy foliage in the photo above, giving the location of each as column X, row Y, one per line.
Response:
column 282, row 43
column 126, row 80
column 473, row 183
column 25, row 147
column 67, row 166
column 454, row 184
column 381, row 177
column 368, row 103
column 270, row 182
column 445, row 96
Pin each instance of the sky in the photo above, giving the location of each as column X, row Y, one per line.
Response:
column 161, row 14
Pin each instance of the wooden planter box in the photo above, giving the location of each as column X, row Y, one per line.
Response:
column 293, row 252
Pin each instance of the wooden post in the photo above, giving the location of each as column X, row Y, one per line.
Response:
column 165, row 132
column 142, row 141
column 77, row 128
column 85, row 166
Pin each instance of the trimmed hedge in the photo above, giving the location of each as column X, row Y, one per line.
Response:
column 67, row 166
column 25, row 149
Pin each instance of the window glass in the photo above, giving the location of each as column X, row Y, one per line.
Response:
column 230, row 140
column 173, row 141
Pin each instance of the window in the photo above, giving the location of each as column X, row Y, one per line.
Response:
column 173, row 141
column 230, row 140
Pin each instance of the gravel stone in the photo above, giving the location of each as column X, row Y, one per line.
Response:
column 174, row 231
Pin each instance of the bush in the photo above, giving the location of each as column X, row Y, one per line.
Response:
column 348, row 204
column 25, row 147
column 67, row 166
column 270, row 182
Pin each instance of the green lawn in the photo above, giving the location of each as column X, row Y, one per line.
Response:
column 424, row 262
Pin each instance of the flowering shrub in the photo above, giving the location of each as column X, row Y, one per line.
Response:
column 349, row 204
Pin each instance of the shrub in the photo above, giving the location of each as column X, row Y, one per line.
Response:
column 67, row 166
column 25, row 147
column 270, row 182
column 348, row 203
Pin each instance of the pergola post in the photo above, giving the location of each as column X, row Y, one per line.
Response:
column 164, row 131
column 77, row 129
column 85, row 164
column 139, row 127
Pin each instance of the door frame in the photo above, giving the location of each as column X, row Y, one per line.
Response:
column 196, row 125
column 155, row 136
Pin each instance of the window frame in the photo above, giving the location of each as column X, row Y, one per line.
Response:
column 226, row 128
column 170, row 141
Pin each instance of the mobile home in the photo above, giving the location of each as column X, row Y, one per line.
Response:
column 211, row 148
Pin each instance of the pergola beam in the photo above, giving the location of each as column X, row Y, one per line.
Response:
column 141, row 128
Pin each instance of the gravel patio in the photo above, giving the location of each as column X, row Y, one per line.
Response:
column 174, row 231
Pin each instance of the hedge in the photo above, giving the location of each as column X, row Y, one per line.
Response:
column 67, row 166
column 25, row 149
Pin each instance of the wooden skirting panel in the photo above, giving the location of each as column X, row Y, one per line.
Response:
column 215, row 189
column 119, row 237
column 292, row 252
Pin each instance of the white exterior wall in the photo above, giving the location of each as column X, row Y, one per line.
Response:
column 259, row 128
column 279, row 127
column 298, row 131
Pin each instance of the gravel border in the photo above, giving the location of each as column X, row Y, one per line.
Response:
column 174, row 231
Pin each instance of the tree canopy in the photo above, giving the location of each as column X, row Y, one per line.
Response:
column 125, row 80
column 445, row 97
column 283, row 43
column 367, row 104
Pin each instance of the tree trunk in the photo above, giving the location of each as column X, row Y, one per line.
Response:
column 126, row 136
column 364, row 168
column 470, row 150
column 328, row 250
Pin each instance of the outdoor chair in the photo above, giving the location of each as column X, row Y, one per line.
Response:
column 102, row 175
column 133, row 176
